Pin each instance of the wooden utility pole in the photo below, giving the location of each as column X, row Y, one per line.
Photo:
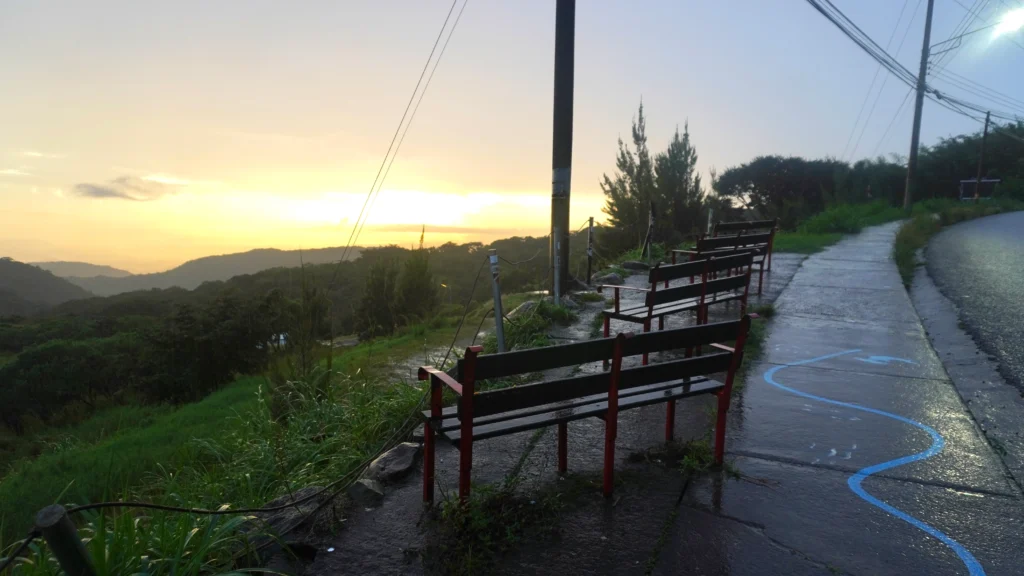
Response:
column 915, row 136
column 561, row 143
column 981, row 158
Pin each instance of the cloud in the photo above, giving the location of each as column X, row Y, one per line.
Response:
column 126, row 188
column 35, row 154
column 14, row 172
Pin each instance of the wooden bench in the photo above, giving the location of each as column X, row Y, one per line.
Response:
column 759, row 245
column 749, row 227
column 696, row 296
column 479, row 415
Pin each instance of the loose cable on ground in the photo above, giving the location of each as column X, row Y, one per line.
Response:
column 9, row 561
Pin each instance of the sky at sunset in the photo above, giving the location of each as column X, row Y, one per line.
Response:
column 143, row 134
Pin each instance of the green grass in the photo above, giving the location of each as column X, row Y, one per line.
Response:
column 233, row 447
column 530, row 330
column 930, row 216
column 826, row 228
column 587, row 297
column 658, row 253
column 104, row 469
column 226, row 450
column 803, row 242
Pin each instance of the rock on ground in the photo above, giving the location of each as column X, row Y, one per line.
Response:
column 635, row 265
column 366, row 492
column 395, row 463
column 611, row 278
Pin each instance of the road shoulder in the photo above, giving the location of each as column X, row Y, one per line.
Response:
column 996, row 405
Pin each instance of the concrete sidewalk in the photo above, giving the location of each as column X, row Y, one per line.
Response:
column 855, row 451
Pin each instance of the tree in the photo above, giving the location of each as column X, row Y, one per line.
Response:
column 416, row 292
column 678, row 189
column 376, row 314
column 628, row 195
column 788, row 188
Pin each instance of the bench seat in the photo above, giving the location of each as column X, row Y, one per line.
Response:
column 638, row 313
column 597, row 405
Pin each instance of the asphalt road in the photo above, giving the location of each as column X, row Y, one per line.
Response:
column 979, row 265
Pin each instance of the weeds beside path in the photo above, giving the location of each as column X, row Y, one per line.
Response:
column 930, row 216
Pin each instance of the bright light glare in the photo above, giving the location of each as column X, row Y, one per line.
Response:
column 1011, row 22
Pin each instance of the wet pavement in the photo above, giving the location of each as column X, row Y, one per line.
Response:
column 597, row 536
column 979, row 265
column 857, row 454
column 854, row 454
column 975, row 364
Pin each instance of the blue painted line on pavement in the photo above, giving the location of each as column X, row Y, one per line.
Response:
column 854, row 482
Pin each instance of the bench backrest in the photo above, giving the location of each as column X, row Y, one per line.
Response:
column 719, row 263
column 747, row 226
column 733, row 241
column 505, row 364
column 531, row 395
column 706, row 289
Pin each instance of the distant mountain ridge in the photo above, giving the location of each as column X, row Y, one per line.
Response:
column 66, row 269
column 25, row 288
column 211, row 268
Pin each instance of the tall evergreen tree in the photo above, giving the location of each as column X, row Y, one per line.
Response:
column 629, row 193
column 679, row 192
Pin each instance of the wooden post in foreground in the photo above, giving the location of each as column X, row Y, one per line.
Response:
column 62, row 537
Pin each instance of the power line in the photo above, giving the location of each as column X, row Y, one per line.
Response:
column 946, row 58
column 884, row 80
column 355, row 226
column 874, row 78
column 851, row 30
column 411, row 118
column 899, row 112
column 982, row 87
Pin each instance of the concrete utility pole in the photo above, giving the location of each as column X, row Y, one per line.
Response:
column 915, row 136
column 561, row 144
column 981, row 158
column 499, row 315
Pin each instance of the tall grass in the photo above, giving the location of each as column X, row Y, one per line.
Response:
column 241, row 446
column 327, row 430
column 930, row 216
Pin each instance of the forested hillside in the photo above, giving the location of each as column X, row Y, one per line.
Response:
column 210, row 268
column 25, row 288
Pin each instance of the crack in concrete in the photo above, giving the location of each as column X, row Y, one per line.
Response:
column 762, row 531
column 860, row 373
column 834, row 468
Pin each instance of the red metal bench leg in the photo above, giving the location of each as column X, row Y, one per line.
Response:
column 607, row 332
column 661, row 322
column 760, row 277
column 611, row 419
column 670, row 420
column 563, row 456
column 723, row 408
column 647, row 328
column 428, row 463
column 466, row 426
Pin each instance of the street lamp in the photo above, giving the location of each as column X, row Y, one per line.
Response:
column 446, row 287
column 1011, row 22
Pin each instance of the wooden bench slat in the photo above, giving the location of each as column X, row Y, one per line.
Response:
column 662, row 340
column 743, row 226
column 537, row 359
column 556, row 415
column 494, row 402
column 450, row 419
column 675, row 271
column 687, row 291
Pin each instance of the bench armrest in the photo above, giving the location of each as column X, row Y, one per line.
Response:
column 426, row 372
column 634, row 288
column 753, row 316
